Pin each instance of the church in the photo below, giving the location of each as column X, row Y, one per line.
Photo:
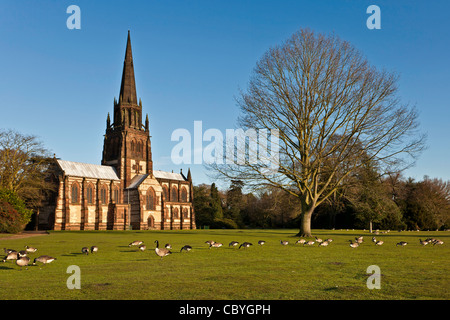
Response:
column 124, row 192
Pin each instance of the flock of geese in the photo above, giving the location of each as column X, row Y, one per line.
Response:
column 23, row 260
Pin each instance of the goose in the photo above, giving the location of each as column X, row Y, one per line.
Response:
column 379, row 242
column 424, row 242
column 402, row 243
column 8, row 250
column 323, row 243
column 136, row 243
column 374, row 239
column 359, row 239
column 233, row 244
column 309, row 243
column 23, row 262
column 300, row 241
column 22, row 253
column 13, row 255
column 261, row 242
column 353, row 244
column 186, row 248
column 94, row 249
column 437, row 241
column 43, row 259
column 318, row 240
column 246, row 245
column 215, row 245
column 210, row 242
column 329, row 240
column 30, row 249
column 142, row 247
column 284, row 243
column 85, row 250
column 161, row 252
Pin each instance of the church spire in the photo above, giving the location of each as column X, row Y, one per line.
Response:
column 128, row 85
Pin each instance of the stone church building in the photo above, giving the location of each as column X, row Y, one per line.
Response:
column 124, row 191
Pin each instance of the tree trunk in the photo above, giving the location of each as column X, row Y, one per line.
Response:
column 305, row 224
column 370, row 226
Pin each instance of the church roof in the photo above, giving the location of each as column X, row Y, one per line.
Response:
column 137, row 180
column 168, row 175
column 87, row 170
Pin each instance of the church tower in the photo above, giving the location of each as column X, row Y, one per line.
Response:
column 126, row 144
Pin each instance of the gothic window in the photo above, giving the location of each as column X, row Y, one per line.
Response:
column 116, row 195
column 176, row 213
column 103, row 195
column 75, row 191
column 166, row 193
column 185, row 213
column 132, row 146
column 89, row 194
column 183, row 194
column 174, row 194
column 151, row 199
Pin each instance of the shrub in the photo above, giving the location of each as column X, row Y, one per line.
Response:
column 14, row 214
column 10, row 219
column 223, row 223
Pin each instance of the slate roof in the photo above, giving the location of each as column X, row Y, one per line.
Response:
column 168, row 175
column 87, row 170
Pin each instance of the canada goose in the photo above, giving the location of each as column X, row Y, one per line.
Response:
column 30, row 249
column 309, row 243
column 437, row 241
column 359, row 239
column 318, row 240
column 85, row 250
column 246, row 245
column 168, row 246
column 8, row 250
column 329, row 240
column 161, row 252
column 13, row 255
column 379, row 242
column 284, row 243
column 43, row 259
column 323, row 243
column 210, row 242
column 186, row 248
column 374, row 239
column 233, row 244
column 353, row 244
column 261, row 242
column 136, row 243
column 94, row 249
column 402, row 243
column 215, row 245
column 23, row 262
column 142, row 247
column 424, row 242
column 22, row 253
column 300, row 241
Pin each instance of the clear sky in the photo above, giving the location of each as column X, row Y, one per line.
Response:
column 192, row 57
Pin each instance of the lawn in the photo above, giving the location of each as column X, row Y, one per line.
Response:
column 271, row 271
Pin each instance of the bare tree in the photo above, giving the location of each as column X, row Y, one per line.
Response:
column 334, row 112
column 23, row 162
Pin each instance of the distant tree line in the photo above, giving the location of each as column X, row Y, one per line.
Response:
column 391, row 202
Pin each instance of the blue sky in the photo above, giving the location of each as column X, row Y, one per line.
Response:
column 192, row 57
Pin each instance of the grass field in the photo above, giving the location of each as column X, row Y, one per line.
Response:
column 264, row 272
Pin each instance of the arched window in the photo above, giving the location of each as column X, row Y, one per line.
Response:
column 185, row 213
column 103, row 195
column 151, row 199
column 166, row 193
column 115, row 195
column 174, row 194
column 132, row 146
column 183, row 194
column 89, row 194
column 176, row 213
column 75, row 192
